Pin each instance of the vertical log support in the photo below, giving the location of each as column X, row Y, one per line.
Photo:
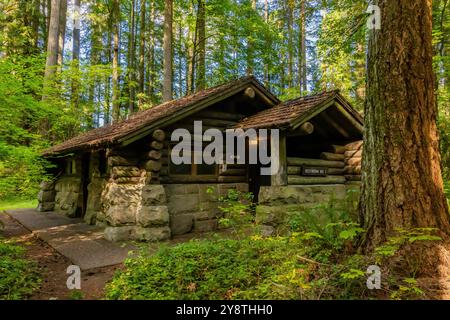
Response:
column 280, row 178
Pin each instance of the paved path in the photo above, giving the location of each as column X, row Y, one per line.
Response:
column 82, row 244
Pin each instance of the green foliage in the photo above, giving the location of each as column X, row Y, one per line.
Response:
column 394, row 243
column 408, row 289
column 21, row 168
column 331, row 225
column 76, row 295
column 201, row 269
column 238, row 209
column 17, row 203
column 447, row 190
column 18, row 276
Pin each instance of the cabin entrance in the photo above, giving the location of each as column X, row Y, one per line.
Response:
column 85, row 181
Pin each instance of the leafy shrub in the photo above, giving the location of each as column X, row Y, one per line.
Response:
column 238, row 210
column 18, row 277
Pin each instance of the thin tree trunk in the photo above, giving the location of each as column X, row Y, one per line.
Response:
column 267, row 59
column 190, row 63
column 76, row 52
column 62, row 32
column 168, row 60
column 402, row 182
column 180, row 60
column 108, row 53
column 115, row 77
column 35, row 23
column 142, row 50
column 131, row 58
column 250, row 47
column 201, row 47
column 303, row 69
column 290, row 47
column 151, row 56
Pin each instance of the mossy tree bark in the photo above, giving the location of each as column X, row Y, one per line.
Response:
column 402, row 181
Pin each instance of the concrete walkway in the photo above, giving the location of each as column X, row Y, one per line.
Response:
column 82, row 244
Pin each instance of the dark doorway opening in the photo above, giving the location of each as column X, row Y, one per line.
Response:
column 85, row 180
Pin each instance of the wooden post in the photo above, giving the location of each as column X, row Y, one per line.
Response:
column 280, row 178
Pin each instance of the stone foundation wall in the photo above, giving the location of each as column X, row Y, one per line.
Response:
column 46, row 196
column 68, row 195
column 195, row 207
column 276, row 202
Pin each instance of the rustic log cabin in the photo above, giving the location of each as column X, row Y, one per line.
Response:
column 122, row 176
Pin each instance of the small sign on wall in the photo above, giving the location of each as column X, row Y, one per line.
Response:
column 314, row 171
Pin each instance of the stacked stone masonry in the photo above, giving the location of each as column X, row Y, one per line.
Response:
column 276, row 202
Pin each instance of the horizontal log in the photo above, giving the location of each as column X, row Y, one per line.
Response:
column 299, row 180
column 128, row 180
column 159, row 135
column 338, row 149
column 250, row 93
column 335, row 171
column 306, row 129
column 295, row 170
column 187, row 179
column 354, row 162
column 122, row 171
column 231, row 179
column 210, row 122
column 353, row 153
column 234, row 172
column 220, row 115
column 156, row 145
column 354, row 145
column 164, row 171
column 353, row 170
column 154, row 155
column 153, row 165
column 315, row 163
column 353, row 177
column 332, row 156
column 114, row 161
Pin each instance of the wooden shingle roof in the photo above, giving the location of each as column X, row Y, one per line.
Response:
column 287, row 113
column 149, row 119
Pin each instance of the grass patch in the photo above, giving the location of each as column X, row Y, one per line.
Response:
column 18, row 276
column 17, row 203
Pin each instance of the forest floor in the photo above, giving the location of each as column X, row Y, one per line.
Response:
column 53, row 266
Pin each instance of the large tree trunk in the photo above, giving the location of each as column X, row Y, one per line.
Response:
column 115, row 77
column 52, row 42
column 168, row 61
column 402, row 182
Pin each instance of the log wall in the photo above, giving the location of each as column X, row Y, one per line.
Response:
column 342, row 162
